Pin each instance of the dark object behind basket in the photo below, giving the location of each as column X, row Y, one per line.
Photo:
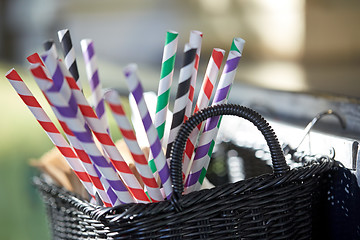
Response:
column 249, row 165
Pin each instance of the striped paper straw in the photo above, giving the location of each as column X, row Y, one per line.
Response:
column 195, row 41
column 41, row 75
column 105, row 140
column 49, row 45
column 167, row 72
column 166, row 77
column 69, row 54
column 203, row 100
column 39, row 72
column 108, row 196
column 141, row 164
column 87, row 46
column 182, row 96
column 137, row 91
column 61, row 96
column 208, row 136
column 50, row 129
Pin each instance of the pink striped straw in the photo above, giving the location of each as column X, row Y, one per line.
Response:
column 203, row 100
column 113, row 100
column 50, row 129
column 208, row 136
column 195, row 41
column 102, row 135
column 61, row 96
column 137, row 91
column 92, row 72
column 39, row 72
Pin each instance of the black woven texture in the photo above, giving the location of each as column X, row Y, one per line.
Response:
column 338, row 217
column 282, row 205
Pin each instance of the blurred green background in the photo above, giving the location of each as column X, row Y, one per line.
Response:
column 21, row 209
column 22, row 213
column 291, row 45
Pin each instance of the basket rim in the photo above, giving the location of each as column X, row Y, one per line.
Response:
column 124, row 212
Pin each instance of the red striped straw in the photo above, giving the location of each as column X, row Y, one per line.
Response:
column 53, row 133
column 100, row 132
column 113, row 100
column 203, row 100
column 40, row 75
column 61, row 97
column 39, row 72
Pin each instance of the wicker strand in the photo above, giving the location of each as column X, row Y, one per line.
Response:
column 177, row 151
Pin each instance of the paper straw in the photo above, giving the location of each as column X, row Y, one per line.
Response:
column 69, row 54
column 61, row 96
column 182, row 96
column 49, row 45
column 207, row 139
column 166, row 77
column 41, row 75
column 92, row 72
column 137, row 91
column 50, row 129
column 39, row 72
column 203, row 100
column 195, row 41
column 99, row 182
column 106, row 142
column 141, row 164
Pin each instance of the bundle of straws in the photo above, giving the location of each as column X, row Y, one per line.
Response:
column 88, row 147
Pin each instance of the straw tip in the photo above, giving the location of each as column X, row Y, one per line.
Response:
column 11, row 73
column 238, row 45
column 51, row 40
column 48, row 44
column 171, row 36
column 173, row 32
column 34, row 58
column 109, row 93
column 196, row 32
column 129, row 69
column 85, row 41
column 219, row 50
column 62, row 31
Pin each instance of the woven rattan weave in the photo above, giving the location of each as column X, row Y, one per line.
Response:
column 283, row 205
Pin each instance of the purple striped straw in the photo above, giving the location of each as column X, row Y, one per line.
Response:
column 137, row 91
column 207, row 140
column 141, row 163
column 110, row 150
column 40, row 72
column 42, row 76
column 87, row 46
column 203, row 100
column 61, row 96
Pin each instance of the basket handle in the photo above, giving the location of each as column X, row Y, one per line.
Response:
column 177, row 151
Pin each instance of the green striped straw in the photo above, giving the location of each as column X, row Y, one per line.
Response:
column 166, row 77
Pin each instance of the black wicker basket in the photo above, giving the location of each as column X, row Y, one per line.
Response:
column 286, row 204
